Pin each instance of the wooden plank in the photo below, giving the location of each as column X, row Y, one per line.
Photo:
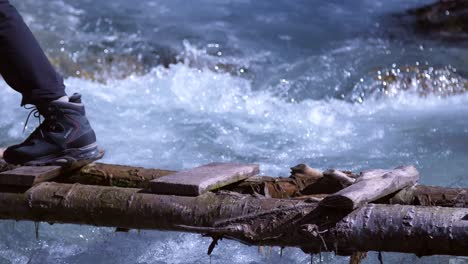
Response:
column 29, row 175
column 204, row 178
column 1, row 153
column 372, row 186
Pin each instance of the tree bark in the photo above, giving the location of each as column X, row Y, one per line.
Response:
column 248, row 213
column 300, row 185
column 432, row 196
column 275, row 222
column 297, row 185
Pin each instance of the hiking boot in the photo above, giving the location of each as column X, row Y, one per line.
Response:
column 65, row 136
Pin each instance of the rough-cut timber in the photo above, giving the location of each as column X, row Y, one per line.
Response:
column 369, row 189
column 280, row 222
column 204, row 178
column 29, row 175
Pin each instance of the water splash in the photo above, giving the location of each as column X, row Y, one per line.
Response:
column 420, row 81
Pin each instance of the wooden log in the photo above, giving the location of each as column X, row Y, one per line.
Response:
column 371, row 174
column 202, row 179
column 273, row 187
column 275, row 222
column 370, row 189
column 115, row 175
column 138, row 177
column 266, row 186
column 340, row 177
column 432, row 196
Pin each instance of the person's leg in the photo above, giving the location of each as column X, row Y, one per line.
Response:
column 23, row 64
column 65, row 135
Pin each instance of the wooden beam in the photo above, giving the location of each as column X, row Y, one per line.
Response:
column 274, row 222
column 369, row 189
column 204, row 178
column 29, row 175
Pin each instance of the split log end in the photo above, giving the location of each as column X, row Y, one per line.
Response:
column 372, row 186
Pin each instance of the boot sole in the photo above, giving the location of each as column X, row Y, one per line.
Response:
column 68, row 157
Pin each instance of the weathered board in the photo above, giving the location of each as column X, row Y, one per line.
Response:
column 203, row 179
column 372, row 185
column 29, row 175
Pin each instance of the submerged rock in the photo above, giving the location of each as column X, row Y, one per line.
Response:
column 446, row 18
column 101, row 66
column 422, row 81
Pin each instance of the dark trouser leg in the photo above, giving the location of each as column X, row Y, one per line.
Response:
column 23, row 64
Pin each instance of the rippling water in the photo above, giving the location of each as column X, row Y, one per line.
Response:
column 175, row 84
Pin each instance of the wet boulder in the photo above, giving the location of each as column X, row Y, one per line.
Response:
column 101, row 64
column 422, row 81
column 445, row 18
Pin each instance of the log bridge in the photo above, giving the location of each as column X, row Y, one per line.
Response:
column 317, row 211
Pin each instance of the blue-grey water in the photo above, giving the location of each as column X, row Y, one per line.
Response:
column 342, row 84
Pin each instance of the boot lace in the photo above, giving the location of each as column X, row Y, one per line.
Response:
column 49, row 120
column 35, row 113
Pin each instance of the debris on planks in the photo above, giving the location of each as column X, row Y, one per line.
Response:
column 203, row 179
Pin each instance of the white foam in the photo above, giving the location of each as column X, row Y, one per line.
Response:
column 182, row 116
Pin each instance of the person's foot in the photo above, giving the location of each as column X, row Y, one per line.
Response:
column 65, row 136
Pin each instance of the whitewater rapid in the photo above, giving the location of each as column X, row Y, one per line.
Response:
column 250, row 82
column 180, row 117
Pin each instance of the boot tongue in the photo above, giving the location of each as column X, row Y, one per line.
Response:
column 75, row 98
column 43, row 108
column 62, row 99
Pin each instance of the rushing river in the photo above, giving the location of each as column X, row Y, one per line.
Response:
column 334, row 84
